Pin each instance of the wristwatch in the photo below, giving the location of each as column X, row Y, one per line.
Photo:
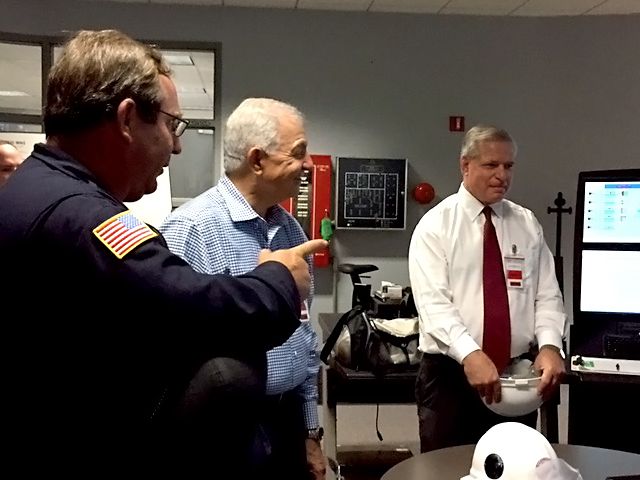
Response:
column 315, row 433
column 559, row 351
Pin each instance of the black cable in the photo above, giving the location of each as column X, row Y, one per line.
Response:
column 377, row 416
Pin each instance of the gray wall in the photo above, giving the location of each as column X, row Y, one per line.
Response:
column 383, row 85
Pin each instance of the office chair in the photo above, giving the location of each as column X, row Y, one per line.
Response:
column 361, row 292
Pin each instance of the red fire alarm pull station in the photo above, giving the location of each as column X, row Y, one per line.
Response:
column 456, row 124
column 313, row 204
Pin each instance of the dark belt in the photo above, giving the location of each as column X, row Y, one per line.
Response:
column 275, row 400
column 530, row 355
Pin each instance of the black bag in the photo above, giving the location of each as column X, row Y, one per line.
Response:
column 362, row 343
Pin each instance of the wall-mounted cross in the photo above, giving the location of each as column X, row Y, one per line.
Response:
column 559, row 210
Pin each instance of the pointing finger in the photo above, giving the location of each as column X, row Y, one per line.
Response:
column 311, row 246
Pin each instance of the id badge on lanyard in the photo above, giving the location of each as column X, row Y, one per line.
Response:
column 514, row 268
column 304, row 312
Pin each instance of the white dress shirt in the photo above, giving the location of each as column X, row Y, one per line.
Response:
column 445, row 269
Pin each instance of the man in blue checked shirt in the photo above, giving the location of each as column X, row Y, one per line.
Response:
column 224, row 229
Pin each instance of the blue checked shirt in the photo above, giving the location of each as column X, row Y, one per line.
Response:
column 219, row 232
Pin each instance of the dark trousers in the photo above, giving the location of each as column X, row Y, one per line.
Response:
column 211, row 426
column 450, row 411
column 285, row 431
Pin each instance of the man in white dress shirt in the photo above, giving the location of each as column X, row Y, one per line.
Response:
column 446, row 272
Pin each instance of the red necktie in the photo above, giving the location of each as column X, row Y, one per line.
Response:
column 496, row 339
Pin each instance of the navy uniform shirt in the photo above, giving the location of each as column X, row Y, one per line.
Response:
column 96, row 344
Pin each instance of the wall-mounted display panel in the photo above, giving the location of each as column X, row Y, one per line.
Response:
column 371, row 193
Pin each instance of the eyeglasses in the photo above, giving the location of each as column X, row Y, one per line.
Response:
column 178, row 125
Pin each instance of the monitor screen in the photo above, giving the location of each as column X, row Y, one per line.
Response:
column 607, row 245
column 609, row 281
column 611, row 211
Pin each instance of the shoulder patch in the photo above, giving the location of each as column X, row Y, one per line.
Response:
column 123, row 232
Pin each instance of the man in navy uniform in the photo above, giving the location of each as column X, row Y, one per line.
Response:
column 103, row 362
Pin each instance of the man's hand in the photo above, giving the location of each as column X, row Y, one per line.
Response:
column 551, row 364
column 295, row 260
column 483, row 376
column 316, row 459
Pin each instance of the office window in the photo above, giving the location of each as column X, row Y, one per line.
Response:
column 193, row 76
column 21, row 79
column 195, row 169
column 25, row 63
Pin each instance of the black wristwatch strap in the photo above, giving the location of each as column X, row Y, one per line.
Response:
column 315, row 433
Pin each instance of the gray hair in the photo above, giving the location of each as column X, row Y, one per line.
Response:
column 484, row 133
column 254, row 123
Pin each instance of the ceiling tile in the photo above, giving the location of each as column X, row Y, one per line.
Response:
column 120, row 1
column 407, row 6
column 354, row 5
column 556, row 8
column 260, row 3
column 189, row 2
column 481, row 7
column 617, row 7
column 541, row 8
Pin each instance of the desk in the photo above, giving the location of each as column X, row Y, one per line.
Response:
column 454, row 463
column 350, row 386
column 615, row 398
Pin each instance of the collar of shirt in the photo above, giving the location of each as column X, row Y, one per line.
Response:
column 473, row 207
column 62, row 161
column 241, row 211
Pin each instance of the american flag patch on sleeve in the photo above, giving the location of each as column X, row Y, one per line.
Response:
column 123, row 232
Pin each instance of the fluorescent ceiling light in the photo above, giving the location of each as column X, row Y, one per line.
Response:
column 13, row 93
column 178, row 59
column 191, row 90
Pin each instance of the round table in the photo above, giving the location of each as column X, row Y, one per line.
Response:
column 453, row 463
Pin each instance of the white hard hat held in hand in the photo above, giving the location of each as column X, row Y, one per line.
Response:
column 519, row 389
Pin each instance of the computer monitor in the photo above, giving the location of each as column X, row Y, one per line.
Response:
column 606, row 299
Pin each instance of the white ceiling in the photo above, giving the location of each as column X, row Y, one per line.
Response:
column 527, row 8
column 20, row 86
column 195, row 81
